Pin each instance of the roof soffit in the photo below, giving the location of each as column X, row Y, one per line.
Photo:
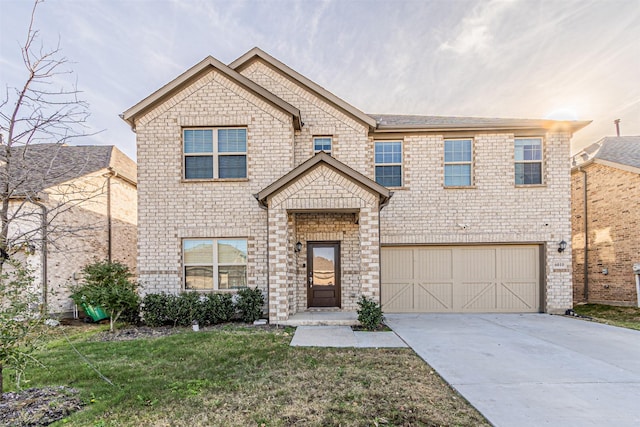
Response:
column 258, row 54
column 196, row 72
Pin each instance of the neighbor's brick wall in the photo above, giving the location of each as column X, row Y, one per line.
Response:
column 613, row 221
column 77, row 232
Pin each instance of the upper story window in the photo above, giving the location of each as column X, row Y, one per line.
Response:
column 322, row 143
column 211, row 264
column 528, row 161
column 215, row 153
column 388, row 163
column 457, row 162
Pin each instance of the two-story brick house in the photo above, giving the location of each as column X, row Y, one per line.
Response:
column 605, row 186
column 250, row 174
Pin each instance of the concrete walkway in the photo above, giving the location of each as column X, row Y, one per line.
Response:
column 343, row 336
column 532, row 369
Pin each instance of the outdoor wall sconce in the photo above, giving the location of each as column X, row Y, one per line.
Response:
column 298, row 247
column 562, row 246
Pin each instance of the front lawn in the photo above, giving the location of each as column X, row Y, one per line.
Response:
column 626, row 317
column 244, row 376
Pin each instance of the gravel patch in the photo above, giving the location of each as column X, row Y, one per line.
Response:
column 38, row 406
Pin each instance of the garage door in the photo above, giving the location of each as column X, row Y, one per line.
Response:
column 419, row 279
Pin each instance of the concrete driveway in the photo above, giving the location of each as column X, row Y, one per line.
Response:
column 532, row 369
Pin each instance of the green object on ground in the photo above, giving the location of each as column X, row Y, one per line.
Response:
column 95, row 312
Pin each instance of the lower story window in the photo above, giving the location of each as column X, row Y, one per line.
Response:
column 211, row 264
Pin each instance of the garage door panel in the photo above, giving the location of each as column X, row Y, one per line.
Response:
column 397, row 297
column 519, row 263
column 433, row 264
column 476, row 264
column 490, row 278
column 398, row 264
column 433, row 297
column 519, row 296
column 476, row 296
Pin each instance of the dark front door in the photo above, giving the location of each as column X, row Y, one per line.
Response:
column 323, row 274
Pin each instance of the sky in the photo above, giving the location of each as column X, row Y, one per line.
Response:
column 560, row 59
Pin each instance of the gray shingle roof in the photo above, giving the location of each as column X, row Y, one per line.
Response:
column 39, row 166
column 620, row 149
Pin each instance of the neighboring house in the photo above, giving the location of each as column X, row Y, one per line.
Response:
column 607, row 175
column 250, row 174
column 83, row 199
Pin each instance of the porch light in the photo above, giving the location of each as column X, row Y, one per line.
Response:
column 562, row 246
column 298, row 247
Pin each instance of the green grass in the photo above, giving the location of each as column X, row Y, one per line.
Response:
column 626, row 317
column 244, row 377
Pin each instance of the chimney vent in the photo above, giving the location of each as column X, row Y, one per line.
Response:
column 617, row 123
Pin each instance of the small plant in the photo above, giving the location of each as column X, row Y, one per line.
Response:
column 370, row 313
column 107, row 284
column 249, row 304
column 20, row 324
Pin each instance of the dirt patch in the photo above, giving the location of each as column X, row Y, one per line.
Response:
column 38, row 406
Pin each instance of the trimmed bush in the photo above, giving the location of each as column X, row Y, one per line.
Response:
column 184, row 309
column 249, row 304
column 370, row 313
column 218, row 308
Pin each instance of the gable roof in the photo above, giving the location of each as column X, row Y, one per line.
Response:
column 322, row 157
column 196, row 71
column 35, row 167
column 617, row 151
column 408, row 123
column 254, row 53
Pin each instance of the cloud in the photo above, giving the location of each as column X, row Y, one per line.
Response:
column 473, row 35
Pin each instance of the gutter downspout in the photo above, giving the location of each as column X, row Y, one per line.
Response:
column 380, row 207
column 109, row 228
column 43, row 255
column 586, row 236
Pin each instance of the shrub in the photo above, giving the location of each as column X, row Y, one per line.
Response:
column 183, row 309
column 218, row 308
column 154, row 307
column 249, row 304
column 107, row 284
column 370, row 313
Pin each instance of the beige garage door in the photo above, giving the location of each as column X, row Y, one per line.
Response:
column 459, row 279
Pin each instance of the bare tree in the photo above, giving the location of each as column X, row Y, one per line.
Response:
column 43, row 110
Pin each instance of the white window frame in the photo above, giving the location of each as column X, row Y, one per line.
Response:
column 541, row 161
column 330, row 138
column 215, row 155
column 215, row 263
column 401, row 164
column 470, row 162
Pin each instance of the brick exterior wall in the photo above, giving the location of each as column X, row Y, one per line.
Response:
column 78, row 232
column 613, row 221
column 422, row 212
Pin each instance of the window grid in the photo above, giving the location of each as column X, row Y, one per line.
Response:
column 388, row 163
column 219, row 268
column 458, row 162
column 323, row 143
column 528, row 161
column 215, row 153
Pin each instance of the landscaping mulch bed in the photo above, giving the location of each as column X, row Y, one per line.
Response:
column 38, row 406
